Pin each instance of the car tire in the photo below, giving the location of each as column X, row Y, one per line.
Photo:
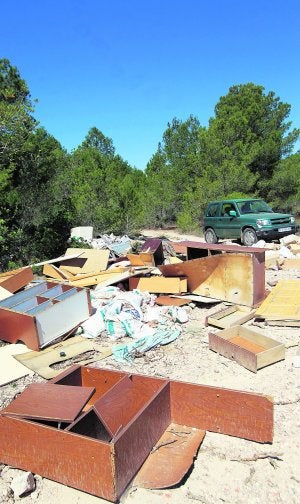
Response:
column 249, row 237
column 210, row 236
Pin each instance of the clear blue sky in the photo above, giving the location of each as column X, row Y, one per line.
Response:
column 128, row 67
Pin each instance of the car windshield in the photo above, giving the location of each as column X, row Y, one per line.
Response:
column 253, row 206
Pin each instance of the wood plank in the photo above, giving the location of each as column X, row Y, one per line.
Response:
column 46, row 401
column 171, row 457
column 52, row 271
column 230, row 316
column 231, row 412
column 159, row 285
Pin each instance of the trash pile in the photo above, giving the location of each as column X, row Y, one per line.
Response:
column 115, row 297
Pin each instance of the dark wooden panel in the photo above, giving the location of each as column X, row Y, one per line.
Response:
column 71, row 459
column 240, row 414
column 102, row 379
column 171, row 457
column 71, row 376
column 16, row 279
column 89, row 424
column 47, row 401
column 16, row 327
column 134, row 444
column 121, row 403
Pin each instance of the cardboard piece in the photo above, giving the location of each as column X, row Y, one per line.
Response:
column 10, row 368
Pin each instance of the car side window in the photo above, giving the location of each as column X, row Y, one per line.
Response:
column 212, row 210
column 226, row 208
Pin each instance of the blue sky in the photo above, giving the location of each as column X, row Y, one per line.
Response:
column 128, row 67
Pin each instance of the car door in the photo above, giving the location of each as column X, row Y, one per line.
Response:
column 227, row 225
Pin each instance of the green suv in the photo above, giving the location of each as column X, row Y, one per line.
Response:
column 247, row 220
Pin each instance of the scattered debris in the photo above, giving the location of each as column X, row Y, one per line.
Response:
column 23, row 484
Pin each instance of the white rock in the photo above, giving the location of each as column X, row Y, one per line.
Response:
column 24, row 483
column 287, row 240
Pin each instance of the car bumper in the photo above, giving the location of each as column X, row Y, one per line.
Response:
column 274, row 234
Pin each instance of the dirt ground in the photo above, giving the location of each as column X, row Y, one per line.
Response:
column 226, row 469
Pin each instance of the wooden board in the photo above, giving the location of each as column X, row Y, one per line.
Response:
column 171, row 301
column 238, row 278
column 215, row 409
column 283, row 302
column 90, row 260
column 52, row 271
column 248, row 348
column 159, row 284
column 10, row 368
column 40, row 362
column 171, row 457
column 15, row 280
column 45, row 401
column 230, row 316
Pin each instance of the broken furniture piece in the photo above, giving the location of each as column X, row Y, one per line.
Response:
column 43, row 313
column 235, row 277
column 282, row 306
column 248, row 348
column 15, row 280
column 159, row 284
column 104, row 446
column 230, row 316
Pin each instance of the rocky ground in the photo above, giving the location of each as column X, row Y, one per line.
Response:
column 227, row 469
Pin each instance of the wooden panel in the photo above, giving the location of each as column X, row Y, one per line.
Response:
column 154, row 247
column 283, row 302
column 67, row 458
column 122, row 402
column 291, row 264
column 229, row 277
column 15, row 280
column 230, row 316
column 10, row 324
column 159, row 285
column 171, row 457
column 231, row 412
column 89, row 424
column 52, row 271
column 135, row 443
column 94, row 260
column 171, row 301
column 46, row 401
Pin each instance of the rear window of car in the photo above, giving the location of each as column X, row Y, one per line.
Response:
column 212, row 210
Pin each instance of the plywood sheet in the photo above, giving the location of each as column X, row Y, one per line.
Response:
column 159, row 285
column 90, row 261
column 15, row 280
column 229, row 277
column 171, row 457
column 45, row 401
column 283, row 302
column 10, row 368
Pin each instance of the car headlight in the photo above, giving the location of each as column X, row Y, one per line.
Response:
column 292, row 220
column 263, row 222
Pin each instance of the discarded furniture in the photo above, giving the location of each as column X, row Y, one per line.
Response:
column 235, row 277
column 282, row 306
column 15, row 280
column 230, row 316
column 248, row 348
column 102, row 449
column 154, row 247
column 43, row 313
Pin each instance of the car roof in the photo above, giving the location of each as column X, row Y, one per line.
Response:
column 235, row 199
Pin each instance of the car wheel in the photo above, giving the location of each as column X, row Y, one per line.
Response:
column 249, row 237
column 210, row 236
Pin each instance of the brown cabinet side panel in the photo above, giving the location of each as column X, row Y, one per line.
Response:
column 231, row 412
column 133, row 446
column 16, row 326
column 73, row 460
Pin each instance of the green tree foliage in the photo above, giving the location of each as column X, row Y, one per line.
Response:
column 285, row 185
column 97, row 140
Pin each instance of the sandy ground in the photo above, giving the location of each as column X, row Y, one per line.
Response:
column 226, row 469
